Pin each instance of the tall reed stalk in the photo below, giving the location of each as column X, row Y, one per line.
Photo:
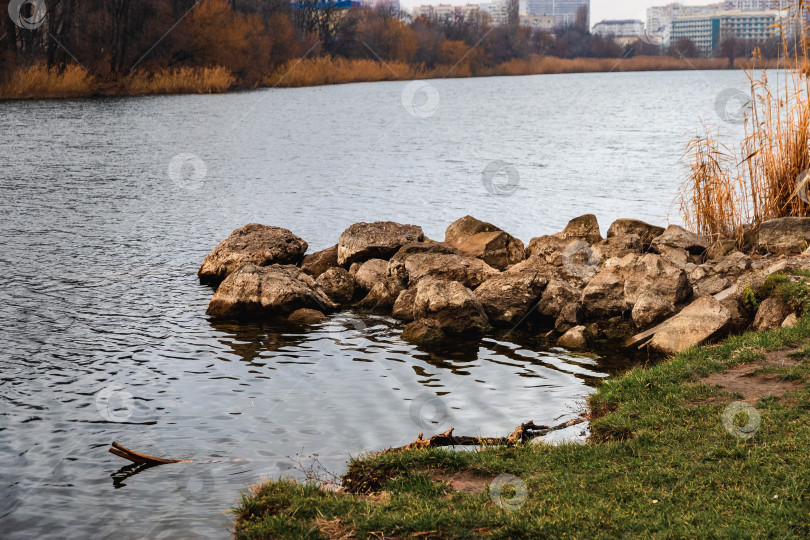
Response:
column 727, row 190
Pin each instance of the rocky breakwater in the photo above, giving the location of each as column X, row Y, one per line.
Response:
column 642, row 284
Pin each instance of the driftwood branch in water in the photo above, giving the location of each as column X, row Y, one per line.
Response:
column 137, row 457
column 523, row 433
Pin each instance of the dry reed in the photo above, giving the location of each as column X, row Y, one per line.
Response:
column 37, row 81
column 186, row 80
column 730, row 190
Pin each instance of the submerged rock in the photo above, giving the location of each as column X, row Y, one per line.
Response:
column 261, row 245
column 268, row 291
column 451, row 304
column 307, row 317
column 380, row 240
column 423, row 331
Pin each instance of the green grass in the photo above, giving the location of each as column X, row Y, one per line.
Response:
column 661, row 464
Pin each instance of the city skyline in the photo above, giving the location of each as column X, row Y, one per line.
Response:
column 600, row 9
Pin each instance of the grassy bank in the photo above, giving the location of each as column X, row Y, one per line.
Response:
column 676, row 450
column 36, row 82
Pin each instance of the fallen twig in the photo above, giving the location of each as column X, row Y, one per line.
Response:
column 137, row 457
column 523, row 433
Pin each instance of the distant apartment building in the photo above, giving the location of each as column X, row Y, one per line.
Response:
column 619, row 28
column 445, row 11
column 708, row 31
column 659, row 18
column 394, row 4
column 498, row 10
column 564, row 12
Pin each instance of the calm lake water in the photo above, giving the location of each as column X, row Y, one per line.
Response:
column 103, row 321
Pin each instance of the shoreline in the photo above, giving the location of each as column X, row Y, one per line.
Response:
column 37, row 83
column 731, row 417
column 715, row 410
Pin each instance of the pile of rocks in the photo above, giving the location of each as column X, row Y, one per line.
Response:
column 667, row 288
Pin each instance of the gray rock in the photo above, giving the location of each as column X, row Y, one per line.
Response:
column 770, row 315
column 319, row 262
column 678, row 238
column 466, row 270
column 784, row 235
column 261, row 245
column 403, row 306
column 702, row 320
column 625, row 227
column 367, row 274
column 451, row 304
column 267, row 291
column 507, row 298
column 338, row 285
column 380, row 240
column 575, row 338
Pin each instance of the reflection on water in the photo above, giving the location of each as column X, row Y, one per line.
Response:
column 103, row 320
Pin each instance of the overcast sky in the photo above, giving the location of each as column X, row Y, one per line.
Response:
column 600, row 9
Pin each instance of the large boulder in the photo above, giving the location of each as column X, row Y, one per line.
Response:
column 784, row 235
column 319, row 262
column 338, row 285
column 261, row 245
column 396, row 266
column 603, row 297
column 676, row 243
column 703, row 319
column 508, row 297
column 619, row 246
column 625, row 227
column 654, row 286
column 367, row 274
column 583, row 228
column 466, row 270
column 485, row 241
column 267, row 291
column 451, row 304
column 380, row 240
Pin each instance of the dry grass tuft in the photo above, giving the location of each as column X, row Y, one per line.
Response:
column 328, row 70
column 37, row 81
column 186, row 80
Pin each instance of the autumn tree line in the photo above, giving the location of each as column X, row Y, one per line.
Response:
column 249, row 39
